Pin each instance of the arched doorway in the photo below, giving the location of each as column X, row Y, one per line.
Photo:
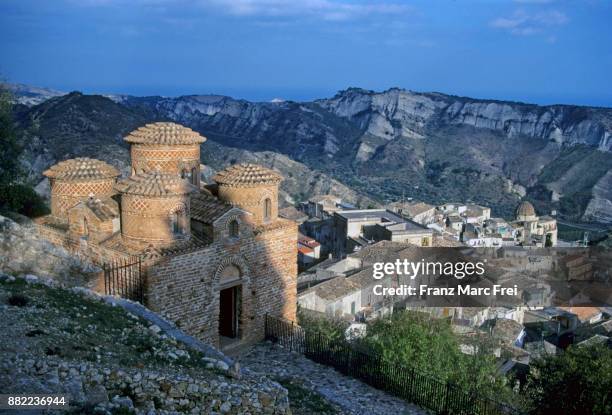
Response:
column 230, row 302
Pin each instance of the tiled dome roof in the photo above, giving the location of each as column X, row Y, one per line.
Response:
column 247, row 175
column 82, row 169
column 168, row 133
column 155, row 184
column 525, row 209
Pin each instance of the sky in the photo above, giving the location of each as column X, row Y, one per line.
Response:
column 539, row 51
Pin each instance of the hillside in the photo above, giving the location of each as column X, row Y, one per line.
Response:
column 94, row 126
column 367, row 145
column 105, row 360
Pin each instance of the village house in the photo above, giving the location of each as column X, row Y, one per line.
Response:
column 419, row 212
column 356, row 229
column 309, row 251
column 215, row 259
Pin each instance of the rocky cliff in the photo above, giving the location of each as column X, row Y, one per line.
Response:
column 94, row 126
column 366, row 145
column 399, row 113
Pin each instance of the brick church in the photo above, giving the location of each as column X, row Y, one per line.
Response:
column 216, row 257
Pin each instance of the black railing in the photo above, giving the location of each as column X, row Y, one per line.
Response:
column 402, row 381
column 125, row 279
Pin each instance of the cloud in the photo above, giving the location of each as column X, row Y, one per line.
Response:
column 333, row 10
column 522, row 23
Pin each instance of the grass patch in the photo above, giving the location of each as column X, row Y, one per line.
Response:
column 62, row 323
column 303, row 401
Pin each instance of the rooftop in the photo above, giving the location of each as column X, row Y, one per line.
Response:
column 247, row 175
column 164, row 133
column 406, row 225
column 370, row 215
column 412, row 209
column 104, row 209
column 81, row 169
column 206, row 208
column 155, row 184
column 335, row 288
column 583, row 313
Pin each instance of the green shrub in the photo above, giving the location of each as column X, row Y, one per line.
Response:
column 22, row 198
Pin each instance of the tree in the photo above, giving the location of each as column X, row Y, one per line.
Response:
column 429, row 345
column 10, row 150
column 577, row 382
column 15, row 195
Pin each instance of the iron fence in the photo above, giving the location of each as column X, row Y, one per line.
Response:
column 402, row 381
column 125, row 279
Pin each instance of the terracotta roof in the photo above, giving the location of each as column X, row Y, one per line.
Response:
column 247, row 175
column 335, row 288
column 164, row 133
column 304, row 250
column 156, row 184
column 81, row 168
column 583, row 313
column 206, row 208
column 118, row 243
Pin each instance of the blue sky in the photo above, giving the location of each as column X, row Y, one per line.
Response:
column 542, row 51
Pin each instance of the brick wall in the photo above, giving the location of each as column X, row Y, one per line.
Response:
column 185, row 288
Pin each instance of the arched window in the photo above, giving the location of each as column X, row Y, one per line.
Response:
column 234, row 229
column 267, row 209
column 85, row 227
column 194, row 176
column 175, row 221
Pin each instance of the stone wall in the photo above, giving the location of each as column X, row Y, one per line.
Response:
column 186, row 288
column 24, row 251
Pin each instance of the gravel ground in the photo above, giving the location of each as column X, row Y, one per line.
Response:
column 348, row 395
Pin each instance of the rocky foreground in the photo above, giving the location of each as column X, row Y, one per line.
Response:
column 105, row 360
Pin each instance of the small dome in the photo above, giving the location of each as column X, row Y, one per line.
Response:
column 525, row 209
column 81, row 169
column 167, row 133
column 247, row 175
column 155, row 184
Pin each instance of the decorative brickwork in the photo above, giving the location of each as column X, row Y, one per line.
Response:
column 166, row 147
column 252, row 188
column 78, row 180
column 182, row 160
column 215, row 265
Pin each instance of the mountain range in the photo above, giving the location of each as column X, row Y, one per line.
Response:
column 368, row 147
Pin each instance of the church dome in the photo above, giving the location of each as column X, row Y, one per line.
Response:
column 81, row 169
column 155, row 184
column 247, row 175
column 525, row 210
column 164, row 133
